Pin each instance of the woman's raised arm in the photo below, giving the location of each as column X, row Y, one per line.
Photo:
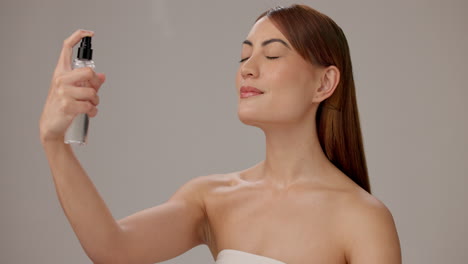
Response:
column 149, row 236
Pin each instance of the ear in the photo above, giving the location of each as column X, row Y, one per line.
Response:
column 329, row 79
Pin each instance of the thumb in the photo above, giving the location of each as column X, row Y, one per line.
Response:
column 101, row 76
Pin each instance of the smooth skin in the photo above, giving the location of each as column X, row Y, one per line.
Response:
column 294, row 206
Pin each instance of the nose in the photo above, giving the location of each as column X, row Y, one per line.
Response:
column 249, row 69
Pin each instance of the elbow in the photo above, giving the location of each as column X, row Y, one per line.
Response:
column 115, row 254
column 116, row 259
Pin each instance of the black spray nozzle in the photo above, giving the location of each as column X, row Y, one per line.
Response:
column 84, row 51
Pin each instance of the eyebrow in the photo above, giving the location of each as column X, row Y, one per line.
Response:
column 266, row 42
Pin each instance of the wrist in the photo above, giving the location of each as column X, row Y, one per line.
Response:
column 45, row 141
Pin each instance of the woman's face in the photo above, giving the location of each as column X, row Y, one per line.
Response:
column 288, row 82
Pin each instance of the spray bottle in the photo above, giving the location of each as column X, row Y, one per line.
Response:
column 78, row 130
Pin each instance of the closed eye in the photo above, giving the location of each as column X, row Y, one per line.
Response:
column 270, row 58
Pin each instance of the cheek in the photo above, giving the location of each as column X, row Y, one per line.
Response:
column 290, row 93
column 288, row 84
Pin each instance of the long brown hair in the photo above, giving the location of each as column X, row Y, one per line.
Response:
column 319, row 40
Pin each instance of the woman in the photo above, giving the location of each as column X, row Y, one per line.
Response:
column 309, row 201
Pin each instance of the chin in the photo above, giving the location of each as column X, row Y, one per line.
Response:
column 249, row 117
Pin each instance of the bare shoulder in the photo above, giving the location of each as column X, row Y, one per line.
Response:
column 196, row 188
column 370, row 230
column 359, row 202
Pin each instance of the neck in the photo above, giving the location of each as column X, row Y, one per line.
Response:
column 293, row 153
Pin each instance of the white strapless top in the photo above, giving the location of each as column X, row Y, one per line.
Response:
column 232, row 256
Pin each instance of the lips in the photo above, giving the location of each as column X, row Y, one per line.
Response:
column 245, row 89
column 249, row 94
column 248, row 91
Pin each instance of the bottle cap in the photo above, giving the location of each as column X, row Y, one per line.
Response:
column 84, row 51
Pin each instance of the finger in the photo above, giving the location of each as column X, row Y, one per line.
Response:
column 81, row 75
column 93, row 112
column 65, row 59
column 88, row 77
column 97, row 80
column 78, row 107
column 102, row 77
column 84, row 94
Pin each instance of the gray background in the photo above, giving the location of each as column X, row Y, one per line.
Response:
column 168, row 112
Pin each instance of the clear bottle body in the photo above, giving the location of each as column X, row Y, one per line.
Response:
column 77, row 132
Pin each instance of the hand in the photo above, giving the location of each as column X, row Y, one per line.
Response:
column 66, row 98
